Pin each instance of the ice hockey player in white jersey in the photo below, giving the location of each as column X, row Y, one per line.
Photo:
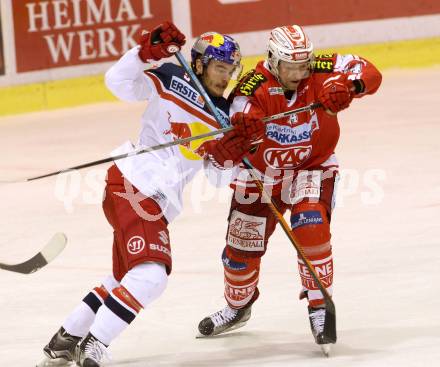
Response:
column 143, row 193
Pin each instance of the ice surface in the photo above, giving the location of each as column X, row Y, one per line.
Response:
column 386, row 247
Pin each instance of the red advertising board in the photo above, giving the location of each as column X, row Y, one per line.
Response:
column 58, row 33
column 248, row 16
column 55, row 33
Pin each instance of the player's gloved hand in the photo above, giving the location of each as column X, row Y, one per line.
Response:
column 227, row 151
column 336, row 93
column 163, row 41
column 248, row 125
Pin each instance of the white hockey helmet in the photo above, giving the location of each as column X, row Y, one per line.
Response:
column 289, row 44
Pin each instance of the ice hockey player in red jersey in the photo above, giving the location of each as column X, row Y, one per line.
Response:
column 143, row 193
column 296, row 161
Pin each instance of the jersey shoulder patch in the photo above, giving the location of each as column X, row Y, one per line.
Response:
column 166, row 71
column 324, row 63
column 175, row 80
column 249, row 83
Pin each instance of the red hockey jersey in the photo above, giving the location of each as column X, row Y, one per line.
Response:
column 303, row 141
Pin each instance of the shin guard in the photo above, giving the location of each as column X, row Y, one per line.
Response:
column 139, row 287
column 311, row 226
column 81, row 318
column 241, row 278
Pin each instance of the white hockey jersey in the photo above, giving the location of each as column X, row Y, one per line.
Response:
column 174, row 110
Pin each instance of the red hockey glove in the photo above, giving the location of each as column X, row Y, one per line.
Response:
column 227, row 151
column 336, row 93
column 248, row 126
column 163, row 41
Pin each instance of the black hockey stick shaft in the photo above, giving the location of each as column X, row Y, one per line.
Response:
column 26, row 267
column 221, row 120
column 126, row 155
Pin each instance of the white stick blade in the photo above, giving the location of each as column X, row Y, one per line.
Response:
column 54, row 247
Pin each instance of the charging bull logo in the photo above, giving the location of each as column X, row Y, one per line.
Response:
column 193, row 150
column 214, row 39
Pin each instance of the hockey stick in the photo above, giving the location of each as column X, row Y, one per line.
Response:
column 330, row 317
column 310, row 107
column 126, row 155
column 49, row 252
column 162, row 146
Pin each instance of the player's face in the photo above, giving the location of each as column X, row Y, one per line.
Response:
column 290, row 75
column 216, row 77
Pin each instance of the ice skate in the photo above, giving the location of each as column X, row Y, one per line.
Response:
column 317, row 321
column 90, row 352
column 224, row 320
column 60, row 350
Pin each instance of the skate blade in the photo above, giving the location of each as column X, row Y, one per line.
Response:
column 237, row 326
column 49, row 362
column 326, row 349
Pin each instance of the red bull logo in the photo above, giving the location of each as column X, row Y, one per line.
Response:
column 179, row 130
column 192, row 150
column 214, row 39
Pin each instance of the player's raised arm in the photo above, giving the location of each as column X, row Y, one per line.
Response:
column 126, row 79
